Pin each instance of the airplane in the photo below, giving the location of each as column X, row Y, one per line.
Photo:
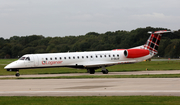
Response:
column 90, row 60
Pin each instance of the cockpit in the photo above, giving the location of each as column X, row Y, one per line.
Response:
column 25, row 58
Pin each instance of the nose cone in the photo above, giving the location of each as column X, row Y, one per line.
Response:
column 7, row 66
column 11, row 65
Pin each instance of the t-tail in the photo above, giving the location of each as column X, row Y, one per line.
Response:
column 150, row 48
column 152, row 43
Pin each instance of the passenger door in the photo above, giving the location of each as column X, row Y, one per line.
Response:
column 36, row 60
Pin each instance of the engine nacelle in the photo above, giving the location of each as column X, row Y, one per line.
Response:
column 135, row 53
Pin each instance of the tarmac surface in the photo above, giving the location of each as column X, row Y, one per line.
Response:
column 91, row 87
column 99, row 73
column 94, row 87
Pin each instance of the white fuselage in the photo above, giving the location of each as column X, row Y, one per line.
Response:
column 93, row 59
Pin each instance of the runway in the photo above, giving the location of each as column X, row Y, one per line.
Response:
column 91, row 87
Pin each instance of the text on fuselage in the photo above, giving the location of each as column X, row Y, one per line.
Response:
column 51, row 62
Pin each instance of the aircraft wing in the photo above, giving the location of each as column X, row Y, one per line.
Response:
column 98, row 64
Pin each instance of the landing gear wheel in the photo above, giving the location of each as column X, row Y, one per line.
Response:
column 105, row 71
column 88, row 70
column 17, row 74
column 92, row 71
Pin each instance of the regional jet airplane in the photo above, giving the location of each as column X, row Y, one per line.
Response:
column 90, row 60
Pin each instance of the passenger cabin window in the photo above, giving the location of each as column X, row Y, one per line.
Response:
column 55, row 58
column 113, row 55
column 46, row 58
column 60, row 58
column 86, row 56
column 117, row 55
column 91, row 56
column 104, row 55
column 109, row 55
column 50, row 58
column 101, row 56
column 69, row 57
column 78, row 57
column 82, row 57
column 96, row 56
column 64, row 57
column 73, row 57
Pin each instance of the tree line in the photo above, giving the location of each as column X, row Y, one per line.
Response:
column 17, row 46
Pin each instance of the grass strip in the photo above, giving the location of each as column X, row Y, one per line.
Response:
column 91, row 100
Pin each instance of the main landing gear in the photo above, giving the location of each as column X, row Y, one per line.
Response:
column 104, row 70
column 92, row 70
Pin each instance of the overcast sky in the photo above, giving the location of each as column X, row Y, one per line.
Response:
column 78, row 17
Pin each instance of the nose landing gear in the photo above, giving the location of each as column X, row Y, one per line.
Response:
column 17, row 73
column 15, row 70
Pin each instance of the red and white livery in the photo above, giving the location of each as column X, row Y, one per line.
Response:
column 90, row 60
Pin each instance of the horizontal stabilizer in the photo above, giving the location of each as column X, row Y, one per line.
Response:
column 159, row 32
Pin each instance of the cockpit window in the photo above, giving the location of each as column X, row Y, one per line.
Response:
column 22, row 58
column 27, row 58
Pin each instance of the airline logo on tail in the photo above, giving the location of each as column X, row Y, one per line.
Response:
column 152, row 43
